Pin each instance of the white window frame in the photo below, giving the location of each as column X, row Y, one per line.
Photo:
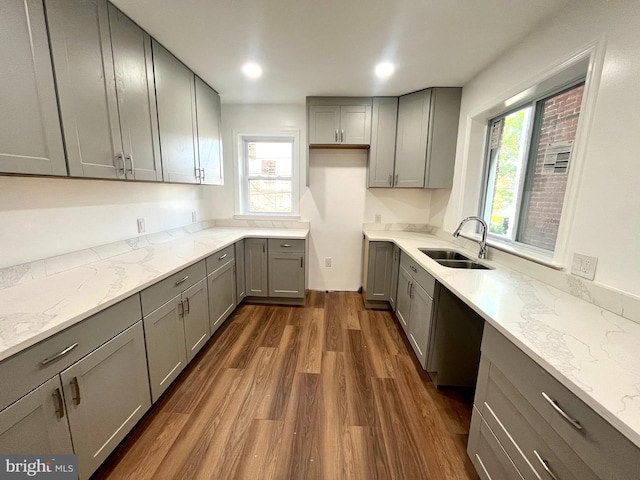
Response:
column 242, row 184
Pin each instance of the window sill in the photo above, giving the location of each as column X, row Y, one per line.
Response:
column 266, row 216
column 519, row 250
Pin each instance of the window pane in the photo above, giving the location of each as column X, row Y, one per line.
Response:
column 270, row 159
column 544, row 196
column 509, row 137
column 270, row 196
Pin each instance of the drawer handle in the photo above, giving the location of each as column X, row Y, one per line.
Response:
column 286, row 245
column 76, row 389
column 46, row 361
column 545, row 465
column 556, row 407
column 413, row 268
column 187, row 309
column 60, row 405
column 222, row 257
column 182, row 280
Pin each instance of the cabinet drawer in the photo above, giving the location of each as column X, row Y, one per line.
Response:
column 166, row 289
column 285, row 245
column 24, row 371
column 425, row 280
column 525, row 436
column 490, row 459
column 602, row 448
column 220, row 259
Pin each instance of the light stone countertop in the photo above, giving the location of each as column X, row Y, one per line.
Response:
column 591, row 351
column 33, row 310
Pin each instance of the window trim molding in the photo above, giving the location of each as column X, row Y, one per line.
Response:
column 239, row 187
column 564, row 73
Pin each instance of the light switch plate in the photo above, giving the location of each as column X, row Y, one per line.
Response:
column 584, row 266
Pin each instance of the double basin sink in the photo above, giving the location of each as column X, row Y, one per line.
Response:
column 453, row 259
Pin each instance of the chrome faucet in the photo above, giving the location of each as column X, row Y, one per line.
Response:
column 483, row 243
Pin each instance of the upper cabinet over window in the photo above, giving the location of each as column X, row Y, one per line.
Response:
column 339, row 121
column 107, row 109
column 30, row 136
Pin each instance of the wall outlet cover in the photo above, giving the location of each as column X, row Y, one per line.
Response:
column 584, row 266
column 141, row 226
column 194, row 217
column 327, row 261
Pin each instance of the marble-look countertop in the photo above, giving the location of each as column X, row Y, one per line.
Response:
column 593, row 352
column 33, row 310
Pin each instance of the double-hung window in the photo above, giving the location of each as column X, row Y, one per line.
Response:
column 527, row 163
column 267, row 176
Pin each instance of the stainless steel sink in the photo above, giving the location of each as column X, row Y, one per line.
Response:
column 453, row 259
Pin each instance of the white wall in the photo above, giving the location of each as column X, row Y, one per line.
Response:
column 337, row 202
column 606, row 222
column 43, row 217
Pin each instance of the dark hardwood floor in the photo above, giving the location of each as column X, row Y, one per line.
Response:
column 326, row 391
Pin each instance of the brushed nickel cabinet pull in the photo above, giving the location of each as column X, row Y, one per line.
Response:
column 130, row 158
column 575, row 423
column 46, row 361
column 336, row 135
column 301, row 262
column 181, row 309
column 59, row 403
column 188, row 308
column 413, row 268
column 545, row 465
column 120, row 166
column 341, row 136
column 222, row 257
column 76, row 389
column 203, row 174
column 182, row 280
column 286, row 245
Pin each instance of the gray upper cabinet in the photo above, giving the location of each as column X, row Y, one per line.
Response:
column 426, row 138
column 30, row 135
column 339, row 121
column 383, row 142
column 175, row 91
column 136, row 95
column 209, row 138
column 83, row 61
column 105, row 86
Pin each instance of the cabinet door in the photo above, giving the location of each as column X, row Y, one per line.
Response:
column 30, row 135
column 411, row 139
column 106, row 393
column 420, row 321
column 196, row 318
column 241, row 290
column 383, row 142
column 395, row 266
column 255, row 257
column 324, row 125
column 379, row 271
column 209, row 136
column 175, row 92
column 37, row 423
column 166, row 353
column 355, row 124
column 83, row 61
column 443, row 137
column 136, row 97
column 403, row 308
column 286, row 275
column 222, row 295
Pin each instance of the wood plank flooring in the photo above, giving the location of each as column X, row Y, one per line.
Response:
column 326, row 391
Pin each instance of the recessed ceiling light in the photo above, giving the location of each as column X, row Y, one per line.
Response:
column 384, row 69
column 252, row 70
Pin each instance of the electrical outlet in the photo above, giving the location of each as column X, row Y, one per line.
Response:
column 378, row 218
column 327, row 261
column 584, row 266
column 194, row 217
column 141, row 227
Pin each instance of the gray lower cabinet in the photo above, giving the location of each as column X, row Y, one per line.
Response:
column 395, row 268
column 415, row 306
column 196, row 318
column 379, row 267
column 222, row 294
column 106, row 393
column 105, row 86
column 175, row 91
column 30, row 134
column 383, row 142
column 241, row 289
column 525, row 424
column 286, row 274
column 209, row 139
column 256, row 273
column 426, row 138
column 37, row 423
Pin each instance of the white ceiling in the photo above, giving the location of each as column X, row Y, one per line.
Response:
column 330, row 47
